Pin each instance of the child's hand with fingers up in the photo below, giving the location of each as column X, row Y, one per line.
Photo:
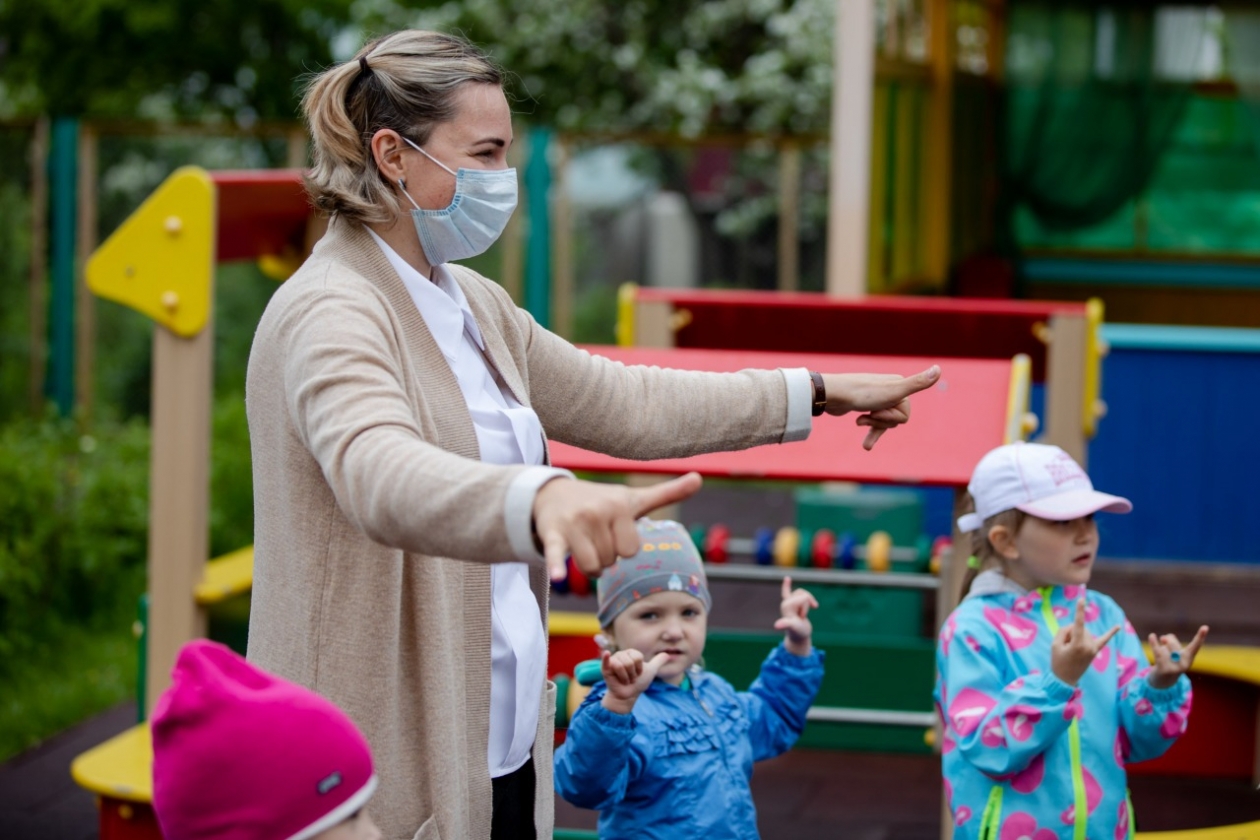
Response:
column 1171, row 659
column 795, row 623
column 1074, row 647
column 628, row 675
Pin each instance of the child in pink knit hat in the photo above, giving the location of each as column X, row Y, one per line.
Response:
column 240, row 754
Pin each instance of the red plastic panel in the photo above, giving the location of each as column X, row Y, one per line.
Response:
column 804, row 322
column 123, row 820
column 953, row 424
column 1220, row 741
column 565, row 652
column 261, row 211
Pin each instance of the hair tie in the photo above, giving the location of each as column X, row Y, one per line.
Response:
column 973, row 562
column 363, row 66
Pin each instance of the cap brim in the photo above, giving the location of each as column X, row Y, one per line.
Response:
column 969, row 522
column 1075, row 504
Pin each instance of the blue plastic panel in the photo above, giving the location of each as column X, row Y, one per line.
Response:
column 1180, row 441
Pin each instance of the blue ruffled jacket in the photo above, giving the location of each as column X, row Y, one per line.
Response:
column 679, row 765
column 1024, row 753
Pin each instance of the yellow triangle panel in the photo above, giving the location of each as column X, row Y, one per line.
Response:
column 160, row 262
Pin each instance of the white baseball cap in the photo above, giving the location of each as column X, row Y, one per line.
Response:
column 1036, row 478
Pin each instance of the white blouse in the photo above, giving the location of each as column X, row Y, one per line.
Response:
column 507, row 433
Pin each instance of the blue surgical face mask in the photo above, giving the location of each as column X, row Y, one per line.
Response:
column 483, row 202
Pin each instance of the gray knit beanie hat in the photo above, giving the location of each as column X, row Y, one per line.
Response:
column 667, row 561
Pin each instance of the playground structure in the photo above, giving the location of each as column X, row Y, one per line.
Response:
column 1062, row 340
column 161, row 262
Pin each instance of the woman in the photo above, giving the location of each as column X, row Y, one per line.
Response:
column 397, row 406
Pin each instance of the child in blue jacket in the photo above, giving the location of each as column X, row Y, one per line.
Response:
column 662, row 748
column 1043, row 687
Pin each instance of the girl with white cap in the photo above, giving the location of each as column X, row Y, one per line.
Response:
column 1043, row 687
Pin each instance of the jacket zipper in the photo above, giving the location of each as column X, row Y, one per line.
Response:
column 1081, row 816
column 991, row 819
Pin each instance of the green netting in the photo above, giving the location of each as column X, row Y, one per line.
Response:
column 1125, row 134
column 1089, row 112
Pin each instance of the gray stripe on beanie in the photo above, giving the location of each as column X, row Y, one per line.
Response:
column 667, row 562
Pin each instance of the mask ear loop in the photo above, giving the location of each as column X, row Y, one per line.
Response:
column 402, row 185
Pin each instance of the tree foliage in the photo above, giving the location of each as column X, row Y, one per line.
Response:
column 227, row 59
column 686, row 66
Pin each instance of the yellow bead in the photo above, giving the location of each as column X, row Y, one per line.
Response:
column 786, row 543
column 879, row 552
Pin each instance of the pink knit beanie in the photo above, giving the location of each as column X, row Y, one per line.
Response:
column 240, row 754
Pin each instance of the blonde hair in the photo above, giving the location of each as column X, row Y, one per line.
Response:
column 981, row 548
column 406, row 81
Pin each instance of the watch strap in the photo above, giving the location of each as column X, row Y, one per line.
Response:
column 820, row 393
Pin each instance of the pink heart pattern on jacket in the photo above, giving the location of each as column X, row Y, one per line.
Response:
column 1019, row 632
column 1028, row 779
column 1020, row 720
column 1128, row 668
column 968, row 710
column 1122, row 821
column 1093, row 796
column 1176, row 721
column 1021, row 826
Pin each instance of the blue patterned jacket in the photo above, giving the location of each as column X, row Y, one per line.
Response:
column 1026, row 754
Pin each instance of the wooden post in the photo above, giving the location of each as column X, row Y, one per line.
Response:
column 953, row 569
column 850, row 148
column 38, row 295
column 789, row 216
column 653, row 324
column 295, row 150
column 561, row 243
column 1065, row 385
column 85, row 301
column 907, row 169
column 877, row 271
column 937, row 146
column 179, row 491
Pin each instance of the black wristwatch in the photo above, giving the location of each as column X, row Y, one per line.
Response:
column 820, row 393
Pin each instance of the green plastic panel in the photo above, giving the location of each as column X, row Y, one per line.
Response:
column 872, row 673
column 862, row 512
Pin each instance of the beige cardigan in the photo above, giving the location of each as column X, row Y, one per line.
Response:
column 368, row 492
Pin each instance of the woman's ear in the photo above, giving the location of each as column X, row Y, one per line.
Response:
column 387, row 149
column 1002, row 539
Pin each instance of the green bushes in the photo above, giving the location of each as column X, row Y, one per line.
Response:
column 73, row 517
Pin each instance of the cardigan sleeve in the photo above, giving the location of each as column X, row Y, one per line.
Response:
column 342, row 372
column 644, row 413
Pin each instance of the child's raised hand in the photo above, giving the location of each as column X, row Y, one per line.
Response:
column 628, row 675
column 1171, row 659
column 795, row 623
column 1074, row 647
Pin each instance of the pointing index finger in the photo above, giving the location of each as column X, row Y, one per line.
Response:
column 1102, row 643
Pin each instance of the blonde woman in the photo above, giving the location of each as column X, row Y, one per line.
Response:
column 399, row 408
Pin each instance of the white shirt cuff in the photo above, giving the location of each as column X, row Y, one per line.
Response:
column 800, row 403
column 518, row 510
